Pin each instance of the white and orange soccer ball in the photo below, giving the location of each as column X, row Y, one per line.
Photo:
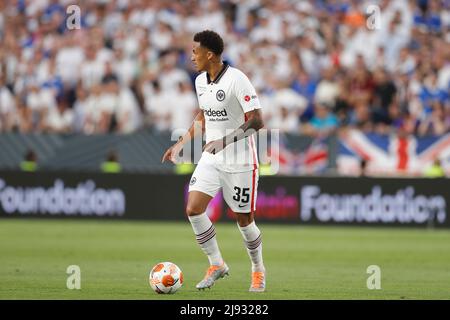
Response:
column 166, row 277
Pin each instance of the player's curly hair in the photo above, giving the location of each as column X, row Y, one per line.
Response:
column 210, row 40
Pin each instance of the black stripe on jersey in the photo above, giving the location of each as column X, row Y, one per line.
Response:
column 221, row 73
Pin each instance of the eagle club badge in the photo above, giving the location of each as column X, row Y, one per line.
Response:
column 220, row 95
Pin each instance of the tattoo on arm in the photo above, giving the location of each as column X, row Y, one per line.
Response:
column 253, row 124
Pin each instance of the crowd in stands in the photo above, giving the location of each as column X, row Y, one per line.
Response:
column 317, row 65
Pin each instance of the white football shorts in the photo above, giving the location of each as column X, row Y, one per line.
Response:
column 239, row 188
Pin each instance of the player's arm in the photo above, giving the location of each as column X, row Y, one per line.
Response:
column 253, row 124
column 197, row 127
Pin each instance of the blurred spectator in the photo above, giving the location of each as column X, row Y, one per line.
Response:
column 156, row 106
column 363, row 168
column 107, row 104
column 435, row 170
column 92, row 69
column 80, row 109
column 21, row 120
column 434, row 123
column 360, row 116
column 59, row 119
column 92, row 113
column 125, row 68
column 183, row 111
column 170, row 75
column 406, row 62
column 288, row 106
column 184, row 168
column 285, row 120
column 7, row 107
column 327, row 89
column 40, row 102
column 29, row 163
column 382, row 80
column 111, row 163
column 127, row 112
column 383, row 95
column 323, row 123
column 305, row 86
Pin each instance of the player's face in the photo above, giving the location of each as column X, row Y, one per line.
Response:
column 199, row 57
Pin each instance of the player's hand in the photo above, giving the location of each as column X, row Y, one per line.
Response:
column 214, row 146
column 172, row 152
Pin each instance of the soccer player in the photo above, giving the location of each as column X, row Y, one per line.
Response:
column 229, row 115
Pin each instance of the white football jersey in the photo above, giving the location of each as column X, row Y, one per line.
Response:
column 224, row 102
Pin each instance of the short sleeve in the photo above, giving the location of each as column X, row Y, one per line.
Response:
column 199, row 89
column 245, row 93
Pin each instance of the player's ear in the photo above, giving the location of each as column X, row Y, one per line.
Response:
column 210, row 55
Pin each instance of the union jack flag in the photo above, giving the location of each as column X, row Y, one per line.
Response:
column 391, row 154
column 313, row 159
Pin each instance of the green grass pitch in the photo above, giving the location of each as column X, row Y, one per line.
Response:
column 302, row 262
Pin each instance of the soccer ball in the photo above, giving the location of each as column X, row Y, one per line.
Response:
column 166, row 277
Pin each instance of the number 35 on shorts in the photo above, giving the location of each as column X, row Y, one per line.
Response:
column 240, row 193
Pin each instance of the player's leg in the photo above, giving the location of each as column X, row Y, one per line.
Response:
column 252, row 238
column 240, row 192
column 204, row 230
column 203, row 187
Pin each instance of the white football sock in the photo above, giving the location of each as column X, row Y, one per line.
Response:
column 253, row 242
column 205, row 233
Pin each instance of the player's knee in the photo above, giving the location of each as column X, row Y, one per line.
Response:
column 244, row 219
column 193, row 210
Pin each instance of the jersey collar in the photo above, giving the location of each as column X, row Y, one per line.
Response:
column 220, row 75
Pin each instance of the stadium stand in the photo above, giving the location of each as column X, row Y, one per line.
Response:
column 318, row 67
